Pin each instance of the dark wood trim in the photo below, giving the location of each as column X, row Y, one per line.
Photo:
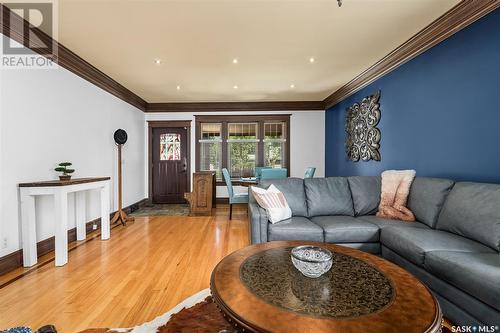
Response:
column 160, row 124
column 11, row 261
column 169, row 123
column 66, row 58
column 260, row 145
column 244, row 118
column 15, row 259
column 235, row 106
column 463, row 14
column 225, row 136
column 287, row 156
column 224, row 119
column 223, row 201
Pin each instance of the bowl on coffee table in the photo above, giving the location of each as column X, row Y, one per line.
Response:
column 312, row 261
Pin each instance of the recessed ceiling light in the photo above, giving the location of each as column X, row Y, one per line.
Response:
column 235, row 87
column 235, row 60
column 292, row 86
column 157, row 61
column 311, row 60
column 178, row 87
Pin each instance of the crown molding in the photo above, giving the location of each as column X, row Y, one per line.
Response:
column 235, row 106
column 16, row 25
column 460, row 16
column 463, row 14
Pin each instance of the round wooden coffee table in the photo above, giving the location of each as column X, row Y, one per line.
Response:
column 259, row 290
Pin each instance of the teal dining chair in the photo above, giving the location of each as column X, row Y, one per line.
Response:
column 309, row 172
column 233, row 198
column 258, row 171
column 276, row 173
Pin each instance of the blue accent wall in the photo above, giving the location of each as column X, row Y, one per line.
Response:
column 440, row 111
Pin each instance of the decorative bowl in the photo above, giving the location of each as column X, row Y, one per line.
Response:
column 311, row 261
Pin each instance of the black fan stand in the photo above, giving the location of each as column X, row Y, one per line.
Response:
column 120, row 137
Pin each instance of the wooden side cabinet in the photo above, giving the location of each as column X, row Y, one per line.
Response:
column 202, row 199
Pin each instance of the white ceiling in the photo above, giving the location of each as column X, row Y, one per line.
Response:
column 273, row 41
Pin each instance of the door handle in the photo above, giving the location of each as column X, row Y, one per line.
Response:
column 184, row 165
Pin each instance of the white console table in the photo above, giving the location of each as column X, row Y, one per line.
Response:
column 60, row 190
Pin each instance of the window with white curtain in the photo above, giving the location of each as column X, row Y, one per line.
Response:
column 274, row 144
column 210, row 143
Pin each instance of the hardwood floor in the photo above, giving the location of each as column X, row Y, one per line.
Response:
column 144, row 270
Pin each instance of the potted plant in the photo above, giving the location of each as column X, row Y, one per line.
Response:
column 66, row 173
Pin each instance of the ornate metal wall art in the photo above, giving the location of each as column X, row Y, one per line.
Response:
column 363, row 136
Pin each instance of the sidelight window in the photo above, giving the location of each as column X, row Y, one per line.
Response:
column 274, row 144
column 210, row 146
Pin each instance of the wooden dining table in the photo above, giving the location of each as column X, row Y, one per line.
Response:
column 246, row 182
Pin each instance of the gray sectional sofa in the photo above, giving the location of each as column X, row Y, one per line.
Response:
column 453, row 247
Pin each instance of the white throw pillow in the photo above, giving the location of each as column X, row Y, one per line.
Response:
column 274, row 202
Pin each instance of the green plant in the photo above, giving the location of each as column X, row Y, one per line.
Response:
column 63, row 168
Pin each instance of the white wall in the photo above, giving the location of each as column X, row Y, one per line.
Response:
column 307, row 145
column 51, row 115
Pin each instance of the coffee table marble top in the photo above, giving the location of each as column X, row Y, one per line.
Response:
column 259, row 290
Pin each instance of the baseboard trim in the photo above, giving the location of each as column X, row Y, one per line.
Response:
column 15, row 259
column 222, row 200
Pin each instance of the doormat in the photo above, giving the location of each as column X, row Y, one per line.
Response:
column 197, row 313
column 162, row 209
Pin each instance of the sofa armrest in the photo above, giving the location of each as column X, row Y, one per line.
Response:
column 258, row 223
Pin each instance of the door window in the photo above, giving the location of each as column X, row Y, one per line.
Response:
column 170, row 147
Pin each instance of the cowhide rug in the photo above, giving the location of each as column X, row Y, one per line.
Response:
column 195, row 314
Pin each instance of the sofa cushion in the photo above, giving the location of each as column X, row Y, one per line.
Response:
column 258, row 223
column 472, row 210
column 293, row 189
column 475, row 273
column 383, row 223
column 328, row 196
column 295, row 228
column 365, row 192
column 427, row 196
column 474, row 308
column 346, row 229
column 413, row 243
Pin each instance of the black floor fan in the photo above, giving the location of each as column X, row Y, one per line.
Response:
column 120, row 137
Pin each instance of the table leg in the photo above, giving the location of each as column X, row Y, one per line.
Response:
column 61, row 227
column 105, row 228
column 28, row 225
column 80, row 215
